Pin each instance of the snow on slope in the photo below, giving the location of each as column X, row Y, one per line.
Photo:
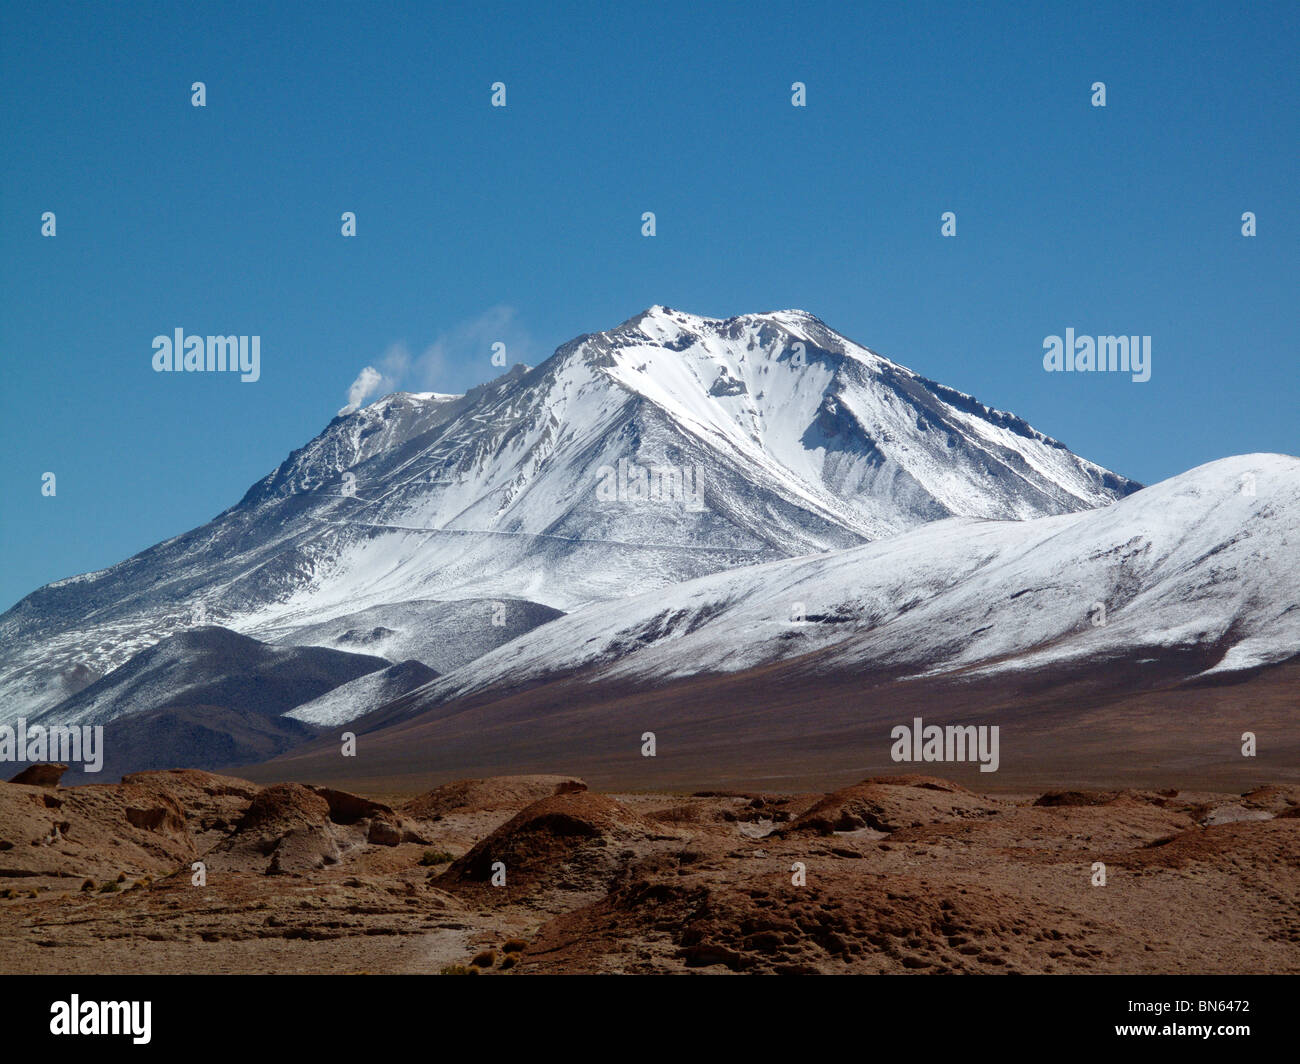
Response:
column 1192, row 561
column 362, row 695
column 214, row 667
column 851, row 426
column 443, row 635
column 801, row 440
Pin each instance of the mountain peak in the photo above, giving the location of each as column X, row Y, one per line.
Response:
column 658, row 313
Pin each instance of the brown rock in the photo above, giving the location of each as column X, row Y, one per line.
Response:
column 283, row 807
column 45, row 774
column 348, row 808
column 384, row 832
column 164, row 815
column 494, row 792
column 537, row 843
column 889, row 803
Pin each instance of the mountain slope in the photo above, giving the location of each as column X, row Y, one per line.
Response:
column 363, row 695
column 959, row 622
column 209, row 697
column 788, row 438
column 1192, row 562
column 213, row 667
column 442, row 635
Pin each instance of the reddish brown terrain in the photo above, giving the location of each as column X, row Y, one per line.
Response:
column 802, row 725
column 905, row 874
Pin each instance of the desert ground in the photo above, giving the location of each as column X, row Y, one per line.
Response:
column 804, row 726
column 895, row 874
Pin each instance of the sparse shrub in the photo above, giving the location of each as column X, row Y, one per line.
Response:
column 458, row 969
column 485, row 959
column 109, row 888
column 87, row 885
column 508, row 961
column 121, row 877
column 514, row 945
column 435, row 857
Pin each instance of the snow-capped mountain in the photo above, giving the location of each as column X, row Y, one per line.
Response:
column 663, row 450
column 1206, row 563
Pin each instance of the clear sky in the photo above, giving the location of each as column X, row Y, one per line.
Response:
column 523, row 223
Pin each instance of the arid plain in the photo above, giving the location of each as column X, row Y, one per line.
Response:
column 189, row 871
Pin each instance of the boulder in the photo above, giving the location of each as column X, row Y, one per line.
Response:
column 44, row 774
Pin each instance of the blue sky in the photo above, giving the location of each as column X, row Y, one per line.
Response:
column 523, row 223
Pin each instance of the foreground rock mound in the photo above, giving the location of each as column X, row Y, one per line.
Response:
column 288, row 823
column 302, row 829
column 284, row 807
column 495, row 792
column 98, row 832
column 43, row 774
column 383, row 825
column 759, row 925
column 211, row 804
column 1079, row 799
column 569, row 841
column 890, row 803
